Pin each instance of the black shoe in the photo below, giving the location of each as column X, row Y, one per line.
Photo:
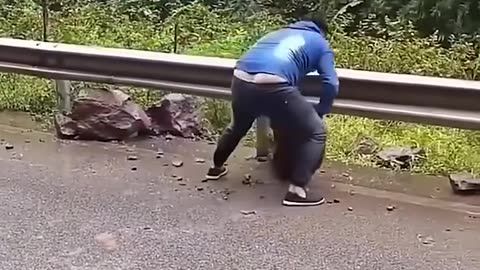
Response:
column 312, row 199
column 215, row 173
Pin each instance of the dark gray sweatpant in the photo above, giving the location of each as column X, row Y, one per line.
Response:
column 288, row 111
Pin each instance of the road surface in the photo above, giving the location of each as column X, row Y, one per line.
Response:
column 76, row 205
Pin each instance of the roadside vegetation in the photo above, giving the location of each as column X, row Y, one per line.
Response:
column 398, row 38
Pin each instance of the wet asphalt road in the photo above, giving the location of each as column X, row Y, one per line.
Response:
column 70, row 205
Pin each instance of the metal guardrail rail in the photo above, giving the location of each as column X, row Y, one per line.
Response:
column 420, row 99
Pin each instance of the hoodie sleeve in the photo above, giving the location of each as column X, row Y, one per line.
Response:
column 328, row 74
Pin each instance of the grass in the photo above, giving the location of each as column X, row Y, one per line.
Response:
column 205, row 33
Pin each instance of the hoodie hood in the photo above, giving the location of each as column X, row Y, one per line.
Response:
column 306, row 25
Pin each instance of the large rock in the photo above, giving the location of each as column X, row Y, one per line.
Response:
column 284, row 154
column 102, row 114
column 177, row 114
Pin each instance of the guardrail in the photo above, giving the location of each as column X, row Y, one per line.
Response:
column 420, row 99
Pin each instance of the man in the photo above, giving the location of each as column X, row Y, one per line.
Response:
column 265, row 83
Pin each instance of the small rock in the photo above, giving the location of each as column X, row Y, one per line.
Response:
column 336, row 201
column 182, row 184
column 247, row 179
column 345, row 174
column 179, row 178
column 132, row 157
column 351, row 192
column 248, row 212
column 323, row 171
column 165, row 164
column 262, row 159
column 28, row 141
column 200, row 188
column 448, row 230
column 249, row 157
column 157, row 156
column 204, row 180
column 168, row 137
column 225, row 198
column 262, row 197
column 41, row 140
column 390, row 208
column 350, row 208
column 199, row 160
column 9, row 146
column 428, row 241
column 177, row 163
column 211, row 142
column 474, row 215
column 333, row 186
column 134, row 168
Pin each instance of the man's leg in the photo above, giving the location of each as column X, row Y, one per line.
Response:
column 309, row 135
column 243, row 116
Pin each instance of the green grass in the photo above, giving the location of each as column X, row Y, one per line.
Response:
column 203, row 32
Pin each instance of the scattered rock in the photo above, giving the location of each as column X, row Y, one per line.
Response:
column 366, row 146
column 473, row 215
column 426, row 240
column 177, row 114
column 399, row 157
column 9, row 146
column 262, row 159
column 177, row 163
column 248, row 212
column 247, row 179
column 102, row 114
column 464, row 182
column 132, row 157
column 199, row 160
column 391, row 208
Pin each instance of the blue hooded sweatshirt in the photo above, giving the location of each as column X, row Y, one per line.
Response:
column 293, row 52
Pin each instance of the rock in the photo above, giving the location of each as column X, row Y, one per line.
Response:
column 248, row 212
column 262, row 159
column 132, row 157
column 28, row 141
column 425, row 240
column 102, row 114
column 390, row 208
column 366, row 146
column 399, row 157
column 134, row 168
column 247, row 179
column 177, row 163
column 177, row 114
column 336, row 201
column 199, row 160
column 9, row 146
column 200, row 188
column 351, row 192
column 345, row 175
column 350, row 208
column 333, row 186
column 464, row 182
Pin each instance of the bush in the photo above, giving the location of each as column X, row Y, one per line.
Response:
column 213, row 33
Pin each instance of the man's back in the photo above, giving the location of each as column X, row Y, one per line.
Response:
column 290, row 52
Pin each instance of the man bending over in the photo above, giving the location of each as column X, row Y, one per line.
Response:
column 265, row 82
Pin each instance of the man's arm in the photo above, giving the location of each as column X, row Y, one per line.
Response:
column 326, row 70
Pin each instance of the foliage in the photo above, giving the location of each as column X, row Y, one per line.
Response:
column 215, row 30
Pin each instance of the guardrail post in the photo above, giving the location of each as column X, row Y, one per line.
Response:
column 63, row 95
column 263, row 142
